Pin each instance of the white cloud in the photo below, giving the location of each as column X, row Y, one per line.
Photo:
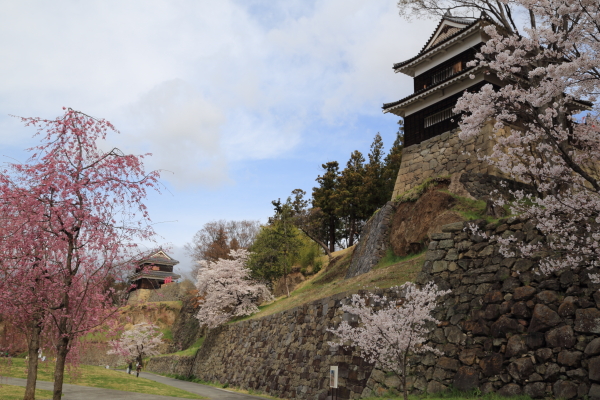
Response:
column 204, row 84
column 183, row 131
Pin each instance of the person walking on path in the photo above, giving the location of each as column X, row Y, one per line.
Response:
column 130, row 367
column 138, row 368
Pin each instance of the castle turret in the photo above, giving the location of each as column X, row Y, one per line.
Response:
column 441, row 76
column 154, row 271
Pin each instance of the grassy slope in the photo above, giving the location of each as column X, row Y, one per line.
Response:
column 9, row 392
column 99, row 377
column 190, row 351
column 330, row 281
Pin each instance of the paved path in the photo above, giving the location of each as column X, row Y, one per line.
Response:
column 75, row 392
column 203, row 390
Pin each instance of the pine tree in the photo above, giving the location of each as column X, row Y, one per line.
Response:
column 374, row 183
column 352, row 197
column 324, row 198
column 391, row 164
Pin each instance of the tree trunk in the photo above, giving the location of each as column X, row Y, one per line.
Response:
column 404, row 391
column 332, row 233
column 319, row 242
column 287, row 288
column 352, row 229
column 32, row 364
column 59, row 369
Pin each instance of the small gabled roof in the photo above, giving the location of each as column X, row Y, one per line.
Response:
column 448, row 26
column 448, row 29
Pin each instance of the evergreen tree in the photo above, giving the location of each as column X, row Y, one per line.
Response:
column 374, row 183
column 311, row 221
column 324, row 198
column 277, row 245
column 391, row 164
column 351, row 197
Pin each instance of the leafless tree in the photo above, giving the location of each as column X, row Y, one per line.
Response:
column 217, row 238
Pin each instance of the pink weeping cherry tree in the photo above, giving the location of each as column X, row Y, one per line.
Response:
column 391, row 329
column 226, row 290
column 72, row 215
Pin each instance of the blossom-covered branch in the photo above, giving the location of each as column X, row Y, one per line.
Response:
column 387, row 335
column 226, row 290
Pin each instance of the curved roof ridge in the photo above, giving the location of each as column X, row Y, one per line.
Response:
column 426, row 50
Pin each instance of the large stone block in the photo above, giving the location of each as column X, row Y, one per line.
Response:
column 565, row 389
column 543, row 318
column 561, row 337
column 587, row 320
column 492, row 365
column 466, row 378
column 515, row 346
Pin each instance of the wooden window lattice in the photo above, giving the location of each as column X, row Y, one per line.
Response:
column 439, row 117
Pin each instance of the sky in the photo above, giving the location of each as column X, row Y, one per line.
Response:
column 239, row 102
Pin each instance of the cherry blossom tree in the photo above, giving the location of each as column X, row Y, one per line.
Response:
column 72, row 216
column 226, row 290
column 141, row 340
column 387, row 335
column 546, row 54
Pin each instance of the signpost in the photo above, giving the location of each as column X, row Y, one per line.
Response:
column 333, row 381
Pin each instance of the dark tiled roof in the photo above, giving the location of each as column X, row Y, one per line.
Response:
column 154, row 275
column 455, row 76
column 150, row 259
column 438, row 43
column 159, row 261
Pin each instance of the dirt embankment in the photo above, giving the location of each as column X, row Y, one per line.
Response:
column 413, row 222
column 162, row 314
column 293, row 280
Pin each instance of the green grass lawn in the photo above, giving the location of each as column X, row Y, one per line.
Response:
column 87, row 375
column 10, row 392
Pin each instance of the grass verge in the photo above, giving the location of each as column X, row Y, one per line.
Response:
column 390, row 259
column 190, row 351
column 87, row 375
column 10, row 392
column 449, row 395
column 413, row 194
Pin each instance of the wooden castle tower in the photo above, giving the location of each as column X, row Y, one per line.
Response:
column 441, row 75
column 154, row 271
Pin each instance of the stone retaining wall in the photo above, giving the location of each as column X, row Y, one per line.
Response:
column 442, row 155
column 504, row 328
column 171, row 292
column 373, row 243
column 171, row 365
column 285, row 355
